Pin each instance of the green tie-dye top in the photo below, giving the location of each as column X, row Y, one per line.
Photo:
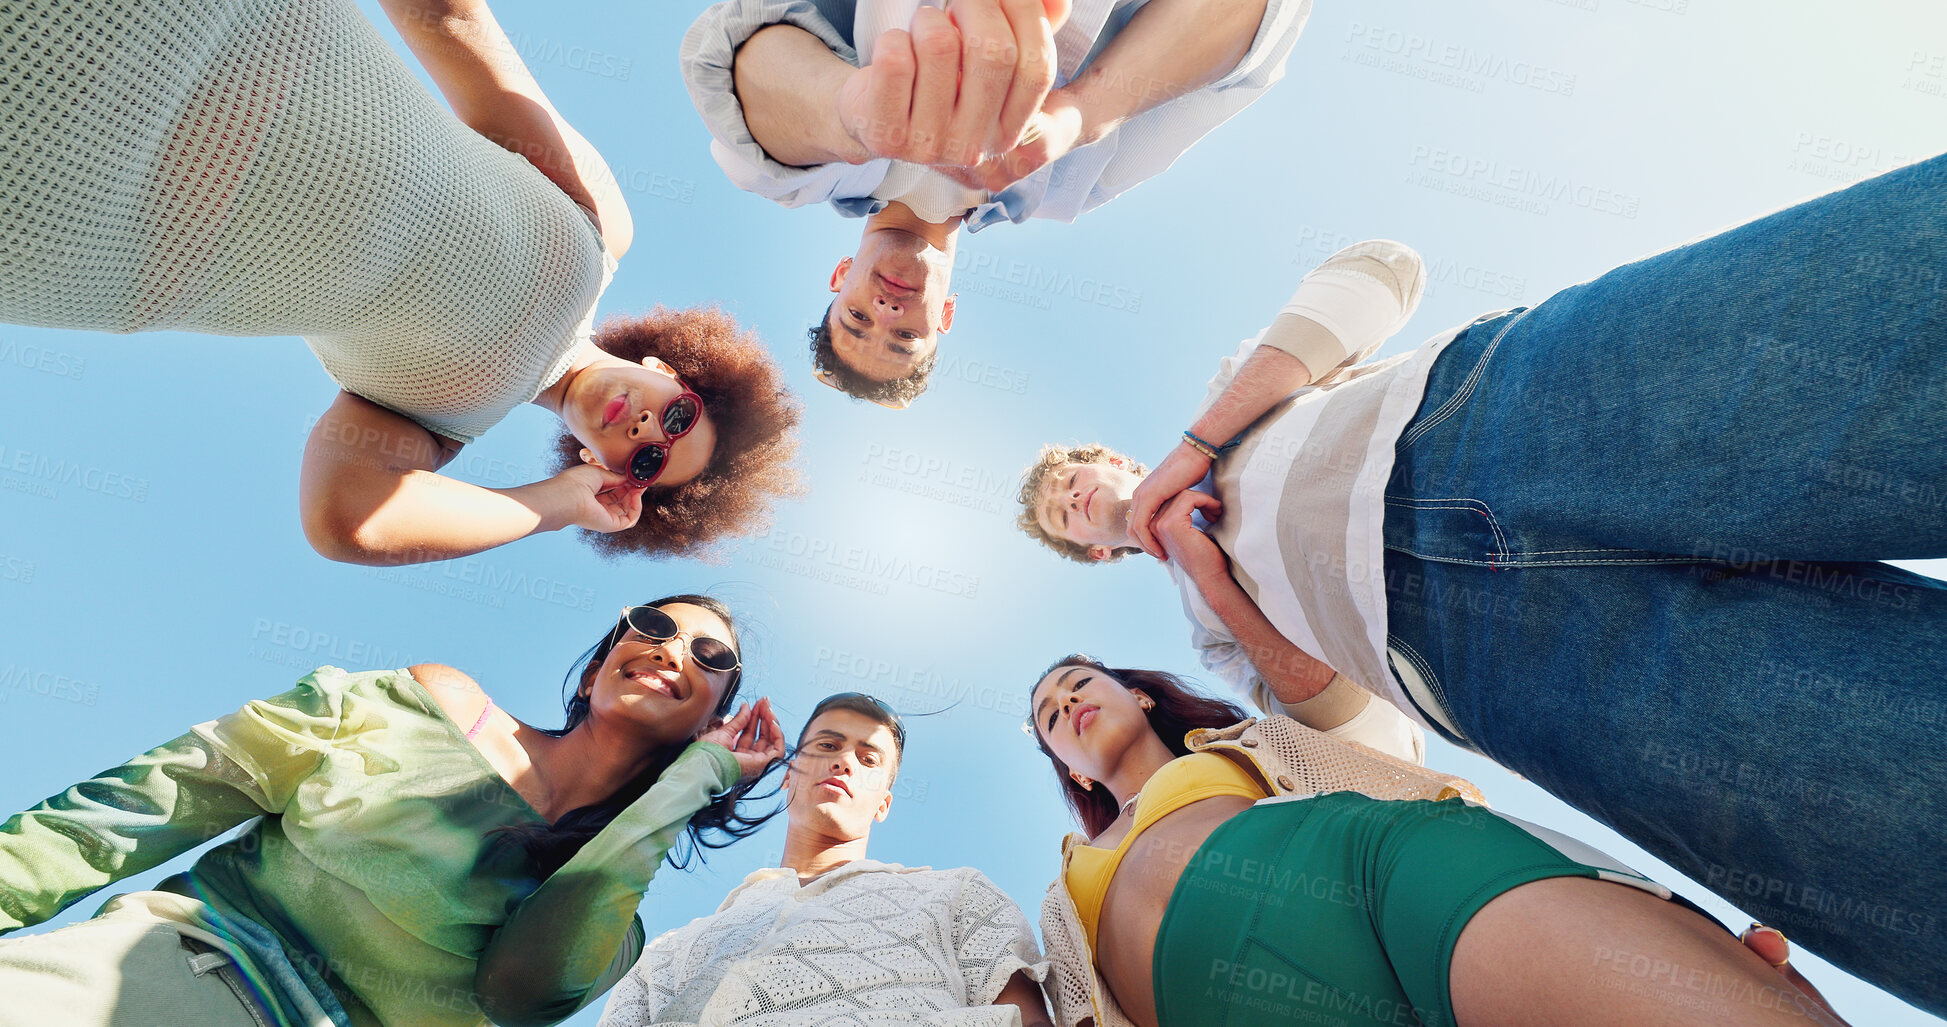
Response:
column 374, row 864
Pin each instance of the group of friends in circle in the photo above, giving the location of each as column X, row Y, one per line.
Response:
column 1366, row 549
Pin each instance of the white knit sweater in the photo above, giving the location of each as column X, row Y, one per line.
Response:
column 272, row 167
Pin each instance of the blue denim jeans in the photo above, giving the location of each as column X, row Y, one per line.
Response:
column 1630, row 544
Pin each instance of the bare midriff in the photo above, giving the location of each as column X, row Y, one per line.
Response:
column 1132, row 909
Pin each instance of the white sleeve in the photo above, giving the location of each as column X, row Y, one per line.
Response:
column 992, row 940
column 708, row 57
column 636, row 998
column 1382, row 726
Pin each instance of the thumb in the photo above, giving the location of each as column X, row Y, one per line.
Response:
column 1058, row 11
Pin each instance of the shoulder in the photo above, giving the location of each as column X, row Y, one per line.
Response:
column 453, row 689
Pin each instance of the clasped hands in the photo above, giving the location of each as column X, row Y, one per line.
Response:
column 966, row 91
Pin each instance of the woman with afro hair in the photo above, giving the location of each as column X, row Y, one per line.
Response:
column 273, row 167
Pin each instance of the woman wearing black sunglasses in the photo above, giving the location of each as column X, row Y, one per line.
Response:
column 272, row 168
column 419, row 856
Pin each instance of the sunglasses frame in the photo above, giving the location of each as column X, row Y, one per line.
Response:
column 665, row 443
column 688, row 645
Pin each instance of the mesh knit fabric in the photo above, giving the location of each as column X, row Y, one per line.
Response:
column 272, row 167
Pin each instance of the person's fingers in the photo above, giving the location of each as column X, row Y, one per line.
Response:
column 936, row 56
column 1142, row 511
column 988, row 62
column 1211, row 506
column 888, row 94
column 1057, row 12
column 1768, row 942
column 1032, row 76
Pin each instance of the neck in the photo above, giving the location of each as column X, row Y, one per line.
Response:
column 586, row 355
column 813, row 852
column 1139, row 763
column 584, row 766
column 898, row 217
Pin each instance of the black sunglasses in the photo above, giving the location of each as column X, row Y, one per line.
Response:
column 653, row 624
column 679, row 416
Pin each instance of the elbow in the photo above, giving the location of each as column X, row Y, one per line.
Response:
column 504, row 1001
column 339, row 533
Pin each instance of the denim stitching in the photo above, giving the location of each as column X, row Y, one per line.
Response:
column 1464, row 392
column 1546, row 563
column 1474, row 505
column 1425, row 670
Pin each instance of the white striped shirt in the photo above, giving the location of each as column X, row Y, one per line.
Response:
column 1304, row 515
column 1084, row 179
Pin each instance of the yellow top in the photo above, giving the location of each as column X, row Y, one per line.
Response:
column 1178, row 783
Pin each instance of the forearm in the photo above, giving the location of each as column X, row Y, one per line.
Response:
column 419, row 516
column 1170, row 48
column 1267, row 377
column 546, row 960
column 1293, row 676
column 1025, row 995
column 788, row 82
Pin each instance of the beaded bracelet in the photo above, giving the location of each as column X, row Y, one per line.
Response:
column 1205, row 446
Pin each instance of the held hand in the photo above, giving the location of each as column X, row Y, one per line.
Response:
column 753, row 735
column 1050, row 135
column 597, row 498
column 1183, row 468
column 1771, row 946
column 1183, row 542
column 957, row 85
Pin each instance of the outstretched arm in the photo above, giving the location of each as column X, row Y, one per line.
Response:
column 162, row 803
column 577, row 934
column 369, row 493
column 481, row 75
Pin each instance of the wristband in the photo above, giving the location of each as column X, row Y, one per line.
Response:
column 1207, row 444
column 1200, row 446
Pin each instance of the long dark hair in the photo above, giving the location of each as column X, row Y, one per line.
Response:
column 712, row 827
column 1179, row 709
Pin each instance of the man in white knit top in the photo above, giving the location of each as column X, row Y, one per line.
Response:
column 831, row 934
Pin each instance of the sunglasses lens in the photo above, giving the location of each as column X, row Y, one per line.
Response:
column 680, row 415
column 647, row 462
column 713, row 654
column 652, row 623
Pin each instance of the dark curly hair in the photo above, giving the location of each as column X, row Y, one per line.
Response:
column 720, row 823
column 1179, row 709
column 756, row 419
column 825, row 362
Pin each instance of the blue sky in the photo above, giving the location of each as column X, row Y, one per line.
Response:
column 169, row 583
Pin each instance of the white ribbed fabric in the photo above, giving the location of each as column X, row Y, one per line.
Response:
column 869, row 943
column 272, row 167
